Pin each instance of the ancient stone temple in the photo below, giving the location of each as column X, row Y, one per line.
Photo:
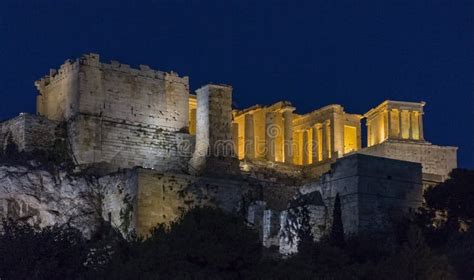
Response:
column 167, row 149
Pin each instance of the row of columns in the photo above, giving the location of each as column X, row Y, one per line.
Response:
column 390, row 124
column 279, row 143
column 411, row 115
column 278, row 124
column 309, row 145
column 317, row 140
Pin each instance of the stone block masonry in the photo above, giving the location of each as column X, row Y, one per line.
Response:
column 29, row 133
column 437, row 161
column 164, row 197
column 126, row 145
column 371, row 190
column 214, row 133
column 117, row 91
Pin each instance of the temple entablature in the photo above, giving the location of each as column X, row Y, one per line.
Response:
column 395, row 120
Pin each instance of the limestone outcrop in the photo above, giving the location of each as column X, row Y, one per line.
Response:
column 43, row 198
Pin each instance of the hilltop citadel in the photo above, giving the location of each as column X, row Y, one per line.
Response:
column 167, row 149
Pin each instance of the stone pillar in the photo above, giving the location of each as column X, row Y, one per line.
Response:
column 315, row 143
column 249, row 143
column 369, row 133
column 279, row 137
column 330, row 141
column 386, row 131
column 420, row 126
column 336, row 133
column 359, row 137
column 389, row 123
column 306, row 143
column 400, row 126
column 260, row 134
column 214, row 130
column 235, row 138
column 410, row 120
column 297, row 140
column 324, row 141
column 288, row 140
column 271, row 132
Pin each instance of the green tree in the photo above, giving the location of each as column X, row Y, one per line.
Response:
column 415, row 260
column 460, row 250
column 205, row 243
column 454, row 197
column 50, row 253
column 337, row 230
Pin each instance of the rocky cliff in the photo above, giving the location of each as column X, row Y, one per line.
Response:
column 45, row 198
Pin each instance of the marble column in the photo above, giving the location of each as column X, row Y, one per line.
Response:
column 389, row 123
column 420, row 126
column 306, row 154
column 288, row 140
column 369, row 133
column 330, row 141
column 315, row 144
column 249, row 144
column 235, row 138
column 324, row 141
column 410, row 129
column 400, row 126
column 271, row 132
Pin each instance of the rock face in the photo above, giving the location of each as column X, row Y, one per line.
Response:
column 44, row 199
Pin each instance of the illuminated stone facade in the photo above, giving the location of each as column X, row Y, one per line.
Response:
column 395, row 120
column 275, row 133
column 192, row 148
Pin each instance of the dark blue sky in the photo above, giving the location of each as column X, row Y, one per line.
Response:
column 312, row 53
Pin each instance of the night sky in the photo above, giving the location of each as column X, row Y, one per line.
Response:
column 312, row 53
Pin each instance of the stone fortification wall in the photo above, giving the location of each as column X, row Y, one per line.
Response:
column 437, row 161
column 119, row 115
column 127, row 145
column 371, row 189
column 29, row 132
column 163, row 197
column 116, row 91
column 58, row 98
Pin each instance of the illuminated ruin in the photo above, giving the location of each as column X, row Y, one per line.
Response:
column 192, row 148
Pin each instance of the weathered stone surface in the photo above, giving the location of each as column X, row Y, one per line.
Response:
column 45, row 199
column 214, row 131
column 30, row 132
column 127, row 145
column 163, row 197
column 371, row 188
column 437, row 161
column 373, row 192
column 116, row 91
